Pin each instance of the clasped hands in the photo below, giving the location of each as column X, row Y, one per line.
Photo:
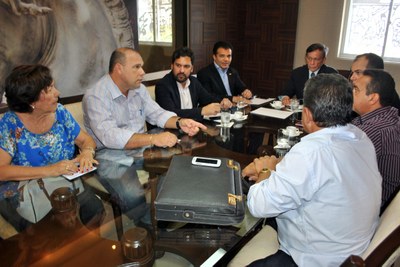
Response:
column 215, row 108
column 244, row 97
column 253, row 170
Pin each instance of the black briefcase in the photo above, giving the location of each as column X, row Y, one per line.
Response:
column 201, row 194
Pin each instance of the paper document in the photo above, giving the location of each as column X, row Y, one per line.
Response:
column 260, row 101
column 272, row 113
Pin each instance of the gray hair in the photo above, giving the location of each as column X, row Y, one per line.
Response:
column 329, row 97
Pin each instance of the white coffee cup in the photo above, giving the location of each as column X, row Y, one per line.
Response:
column 238, row 115
column 277, row 104
column 292, row 131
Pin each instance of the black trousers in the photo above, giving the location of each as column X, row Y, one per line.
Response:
column 278, row 259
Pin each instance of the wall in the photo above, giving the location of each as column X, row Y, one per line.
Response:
column 320, row 21
column 262, row 32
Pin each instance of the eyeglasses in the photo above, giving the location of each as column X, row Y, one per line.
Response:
column 311, row 59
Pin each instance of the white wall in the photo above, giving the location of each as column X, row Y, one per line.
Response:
column 320, row 21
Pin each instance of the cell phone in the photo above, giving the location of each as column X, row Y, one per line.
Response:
column 207, row 162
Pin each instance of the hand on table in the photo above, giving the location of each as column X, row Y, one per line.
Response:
column 164, row 139
column 253, row 169
column 191, row 127
column 226, row 103
column 286, row 100
column 247, row 94
column 210, row 109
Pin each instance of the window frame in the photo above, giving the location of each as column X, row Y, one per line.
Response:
column 347, row 12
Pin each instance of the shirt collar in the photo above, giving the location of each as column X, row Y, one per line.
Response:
column 316, row 72
column 180, row 85
column 220, row 70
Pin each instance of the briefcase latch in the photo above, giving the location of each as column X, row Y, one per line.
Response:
column 232, row 199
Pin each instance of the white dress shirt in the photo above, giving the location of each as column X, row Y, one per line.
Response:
column 111, row 118
column 326, row 194
column 184, row 93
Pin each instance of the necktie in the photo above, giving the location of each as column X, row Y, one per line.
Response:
column 312, row 74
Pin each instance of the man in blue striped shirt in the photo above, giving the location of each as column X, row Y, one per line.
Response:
column 373, row 94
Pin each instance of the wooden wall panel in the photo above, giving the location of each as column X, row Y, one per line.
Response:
column 262, row 32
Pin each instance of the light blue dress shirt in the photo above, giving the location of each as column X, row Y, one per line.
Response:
column 326, row 194
column 224, row 77
column 111, row 118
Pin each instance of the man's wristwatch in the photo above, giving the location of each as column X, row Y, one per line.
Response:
column 265, row 170
column 178, row 126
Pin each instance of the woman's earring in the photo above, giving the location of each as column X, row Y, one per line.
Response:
column 33, row 107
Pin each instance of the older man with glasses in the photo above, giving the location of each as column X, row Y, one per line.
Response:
column 315, row 64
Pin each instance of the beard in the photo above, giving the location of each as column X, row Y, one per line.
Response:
column 181, row 77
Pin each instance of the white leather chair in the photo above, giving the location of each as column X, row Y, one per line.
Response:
column 263, row 244
column 384, row 248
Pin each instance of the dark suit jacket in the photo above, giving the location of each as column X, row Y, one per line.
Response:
column 167, row 96
column 298, row 79
column 211, row 80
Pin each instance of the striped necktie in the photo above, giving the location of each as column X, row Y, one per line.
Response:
column 312, row 74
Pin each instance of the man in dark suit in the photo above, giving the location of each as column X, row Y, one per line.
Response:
column 182, row 93
column 220, row 79
column 315, row 58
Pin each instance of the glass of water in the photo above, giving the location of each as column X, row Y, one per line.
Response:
column 225, row 117
column 241, row 106
column 294, row 106
column 283, row 143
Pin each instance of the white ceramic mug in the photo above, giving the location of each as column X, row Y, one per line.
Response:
column 292, row 131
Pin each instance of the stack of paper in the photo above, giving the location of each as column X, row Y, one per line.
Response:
column 280, row 114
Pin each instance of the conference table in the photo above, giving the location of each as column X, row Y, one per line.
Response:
column 53, row 243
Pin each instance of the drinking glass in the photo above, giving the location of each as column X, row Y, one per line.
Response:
column 283, row 143
column 241, row 106
column 282, row 139
column 294, row 106
column 225, row 117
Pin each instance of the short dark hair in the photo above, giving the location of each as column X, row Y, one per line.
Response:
column 222, row 44
column 183, row 52
column 318, row 46
column 383, row 84
column 374, row 61
column 329, row 97
column 24, row 85
column 118, row 56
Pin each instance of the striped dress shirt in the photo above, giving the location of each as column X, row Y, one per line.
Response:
column 382, row 126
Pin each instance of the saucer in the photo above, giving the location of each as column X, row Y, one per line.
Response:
column 286, row 133
column 240, row 119
column 281, row 147
column 277, row 107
